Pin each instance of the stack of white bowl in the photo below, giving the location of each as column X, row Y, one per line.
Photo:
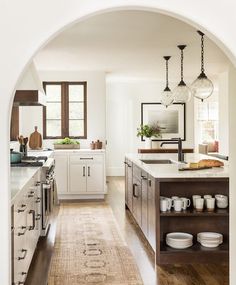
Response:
column 221, row 201
column 179, row 240
column 210, row 239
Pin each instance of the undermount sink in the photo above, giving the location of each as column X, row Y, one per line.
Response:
column 156, row 161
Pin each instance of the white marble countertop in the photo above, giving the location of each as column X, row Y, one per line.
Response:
column 20, row 176
column 48, row 153
column 80, row 150
column 163, row 171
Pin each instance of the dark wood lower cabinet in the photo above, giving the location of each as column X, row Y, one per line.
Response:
column 129, row 184
column 144, row 203
column 137, row 200
column 146, row 192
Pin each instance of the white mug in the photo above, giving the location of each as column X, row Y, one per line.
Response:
column 169, row 203
column 210, row 204
column 177, row 204
column 206, row 197
column 164, row 205
column 199, row 203
column 186, row 203
column 194, row 197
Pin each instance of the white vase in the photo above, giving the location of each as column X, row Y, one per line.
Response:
column 148, row 143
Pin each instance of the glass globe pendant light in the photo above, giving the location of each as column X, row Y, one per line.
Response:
column 167, row 96
column 182, row 92
column 202, row 87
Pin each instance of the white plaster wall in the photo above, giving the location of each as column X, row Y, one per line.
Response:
column 26, row 25
column 224, row 113
column 29, row 117
column 124, row 116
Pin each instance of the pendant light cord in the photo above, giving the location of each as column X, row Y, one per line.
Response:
column 167, row 81
column 202, row 53
column 182, row 65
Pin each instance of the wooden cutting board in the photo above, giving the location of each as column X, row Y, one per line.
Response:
column 35, row 141
column 199, row 168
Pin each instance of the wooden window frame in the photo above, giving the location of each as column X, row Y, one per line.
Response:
column 65, row 109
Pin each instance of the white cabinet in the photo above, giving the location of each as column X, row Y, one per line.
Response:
column 26, row 213
column 61, row 172
column 80, row 174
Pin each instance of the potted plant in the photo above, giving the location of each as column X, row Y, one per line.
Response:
column 149, row 131
column 66, row 143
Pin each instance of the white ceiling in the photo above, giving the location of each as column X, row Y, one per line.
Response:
column 130, row 44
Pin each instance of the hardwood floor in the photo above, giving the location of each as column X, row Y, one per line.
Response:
column 199, row 274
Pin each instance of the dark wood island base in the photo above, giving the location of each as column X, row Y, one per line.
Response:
column 142, row 198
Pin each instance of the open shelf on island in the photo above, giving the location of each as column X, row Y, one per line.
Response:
column 194, row 254
column 192, row 212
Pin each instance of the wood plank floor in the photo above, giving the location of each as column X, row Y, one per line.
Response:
column 200, row 274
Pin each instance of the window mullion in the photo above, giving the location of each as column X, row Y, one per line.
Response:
column 64, row 110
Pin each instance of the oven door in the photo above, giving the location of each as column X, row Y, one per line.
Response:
column 46, row 207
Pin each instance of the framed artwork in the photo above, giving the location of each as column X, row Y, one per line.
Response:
column 171, row 119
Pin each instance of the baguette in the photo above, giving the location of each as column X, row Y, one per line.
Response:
column 210, row 163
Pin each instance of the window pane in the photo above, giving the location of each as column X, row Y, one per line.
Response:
column 53, row 128
column 203, row 111
column 76, row 92
column 76, row 128
column 53, row 110
column 213, row 111
column 76, row 111
column 53, row 93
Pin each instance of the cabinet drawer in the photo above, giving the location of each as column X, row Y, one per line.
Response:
column 86, row 158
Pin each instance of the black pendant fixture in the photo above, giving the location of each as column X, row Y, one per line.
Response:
column 167, row 96
column 202, row 87
column 182, row 92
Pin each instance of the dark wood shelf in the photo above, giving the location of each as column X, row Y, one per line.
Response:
column 165, row 249
column 194, row 254
column 194, row 213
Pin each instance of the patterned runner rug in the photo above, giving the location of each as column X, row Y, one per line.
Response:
column 89, row 249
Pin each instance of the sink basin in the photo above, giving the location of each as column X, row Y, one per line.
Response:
column 156, row 161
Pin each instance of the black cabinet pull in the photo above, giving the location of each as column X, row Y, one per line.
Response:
column 33, row 220
column 22, row 233
column 88, row 170
column 31, row 194
column 86, row 158
column 23, row 208
column 134, row 190
column 125, row 162
column 129, row 165
column 24, row 251
column 83, row 170
column 38, row 217
column 38, row 200
column 149, row 182
column 143, row 177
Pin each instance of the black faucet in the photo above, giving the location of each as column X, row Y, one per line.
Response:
column 180, row 150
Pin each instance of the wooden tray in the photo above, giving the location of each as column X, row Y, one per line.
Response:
column 199, row 168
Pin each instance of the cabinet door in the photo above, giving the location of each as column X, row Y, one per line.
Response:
column 61, row 173
column 137, row 201
column 144, row 189
column 95, row 177
column 77, row 177
column 129, row 185
column 151, row 213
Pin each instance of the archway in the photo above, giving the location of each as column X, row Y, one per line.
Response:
column 45, row 37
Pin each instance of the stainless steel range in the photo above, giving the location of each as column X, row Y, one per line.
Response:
column 48, row 193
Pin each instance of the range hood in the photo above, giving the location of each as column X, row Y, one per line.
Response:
column 30, row 92
column 29, row 98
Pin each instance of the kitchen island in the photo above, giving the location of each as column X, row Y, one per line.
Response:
column 146, row 182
